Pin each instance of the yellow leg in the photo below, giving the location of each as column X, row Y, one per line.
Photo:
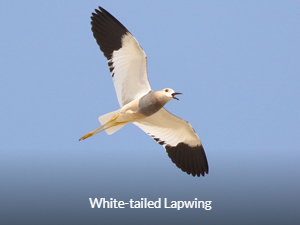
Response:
column 116, row 124
column 98, row 129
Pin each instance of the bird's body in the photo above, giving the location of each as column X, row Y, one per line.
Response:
column 140, row 108
column 139, row 104
column 134, row 111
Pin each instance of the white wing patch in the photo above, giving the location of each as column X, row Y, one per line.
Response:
column 168, row 129
column 129, row 70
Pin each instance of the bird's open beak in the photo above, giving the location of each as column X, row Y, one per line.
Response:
column 176, row 93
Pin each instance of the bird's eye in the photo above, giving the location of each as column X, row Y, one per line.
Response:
column 167, row 90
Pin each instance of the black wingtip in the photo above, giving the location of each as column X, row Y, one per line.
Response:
column 191, row 160
column 108, row 31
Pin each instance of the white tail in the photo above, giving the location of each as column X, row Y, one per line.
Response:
column 107, row 117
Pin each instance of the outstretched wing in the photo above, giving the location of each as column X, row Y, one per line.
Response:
column 126, row 59
column 179, row 139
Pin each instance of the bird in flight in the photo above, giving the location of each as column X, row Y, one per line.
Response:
column 140, row 105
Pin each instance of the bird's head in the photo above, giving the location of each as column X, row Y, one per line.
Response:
column 168, row 94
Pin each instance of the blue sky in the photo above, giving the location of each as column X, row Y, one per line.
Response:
column 237, row 63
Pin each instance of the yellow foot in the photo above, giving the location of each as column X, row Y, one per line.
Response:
column 86, row 136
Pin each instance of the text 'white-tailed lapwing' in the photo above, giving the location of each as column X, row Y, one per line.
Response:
column 140, row 105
